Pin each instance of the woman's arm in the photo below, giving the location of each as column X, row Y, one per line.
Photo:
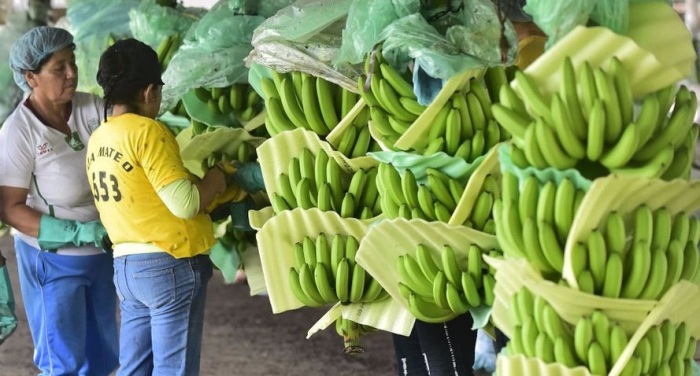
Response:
column 15, row 212
column 186, row 199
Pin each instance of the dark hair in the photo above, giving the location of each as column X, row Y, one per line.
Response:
column 126, row 68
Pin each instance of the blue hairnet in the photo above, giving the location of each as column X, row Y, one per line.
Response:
column 32, row 49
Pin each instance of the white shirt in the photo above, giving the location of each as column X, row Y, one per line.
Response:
column 38, row 158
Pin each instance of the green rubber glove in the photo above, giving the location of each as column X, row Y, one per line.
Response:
column 8, row 320
column 248, row 176
column 57, row 233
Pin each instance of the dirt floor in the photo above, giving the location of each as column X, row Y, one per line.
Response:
column 241, row 337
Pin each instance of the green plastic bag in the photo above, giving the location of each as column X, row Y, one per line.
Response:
column 212, row 53
column 98, row 17
column 265, row 8
column 473, row 43
column 150, row 22
column 16, row 25
column 93, row 23
column 365, row 22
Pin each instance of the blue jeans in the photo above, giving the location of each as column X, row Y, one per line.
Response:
column 71, row 308
column 162, row 313
column 444, row 349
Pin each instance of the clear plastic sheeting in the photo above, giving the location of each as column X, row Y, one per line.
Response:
column 211, row 54
column 305, row 36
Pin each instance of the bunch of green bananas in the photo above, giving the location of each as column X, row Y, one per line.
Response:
column 237, row 240
column 245, row 152
column 319, row 181
column 534, row 219
column 592, row 120
column 403, row 197
column 240, row 99
column 481, row 216
column 594, row 342
column 665, row 349
column 167, row 48
column 179, row 109
column 389, row 93
column 464, row 127
column 642, row 263
column 439, row 292
column 325, row 272
column 301, row 100
column 351, row 332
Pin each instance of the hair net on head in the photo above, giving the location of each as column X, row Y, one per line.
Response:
column 32, row 49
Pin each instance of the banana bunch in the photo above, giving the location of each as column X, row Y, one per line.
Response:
column 389, row 94
column 592, row 119
column 318, row 181
column 481, row 216
column 535, row 219
column 438, row 292
column 642, row 262
column 594, row 342
column 240, row 99
column 167, row 48
column 234, row 239
column 665, row 349
column 245, row 152
column 179, row 109
column 351, row 332
column 403, row 197
column 356, row 140
column 325, row 272
column 465, row 127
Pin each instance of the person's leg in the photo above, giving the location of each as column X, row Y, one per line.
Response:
column 102, row 353
column 449, row 346
column 174, row 290
column 135, row 352
column 53, row 288
column 202, row 271
column 410, row 360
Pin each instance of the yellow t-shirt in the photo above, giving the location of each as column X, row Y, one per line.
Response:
column 129, row 159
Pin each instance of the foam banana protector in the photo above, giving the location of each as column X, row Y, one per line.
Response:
column 226, row 259
column 679, row 305
column 250, row 258
column 415, row 136
column 598, row 45
column 389, row 239
column 520, row 365
column 193, row 150
column 514, row 274
column 543, row 175
column 623, row 194
column 674, row 46
column 276, row 241
column 387, row 315
column 200, row 111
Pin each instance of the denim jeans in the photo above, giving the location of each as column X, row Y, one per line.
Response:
column 71, row 308
column 437, row 349
column 162, row 313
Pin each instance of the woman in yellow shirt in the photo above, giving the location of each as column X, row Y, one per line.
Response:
column 154, row 212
